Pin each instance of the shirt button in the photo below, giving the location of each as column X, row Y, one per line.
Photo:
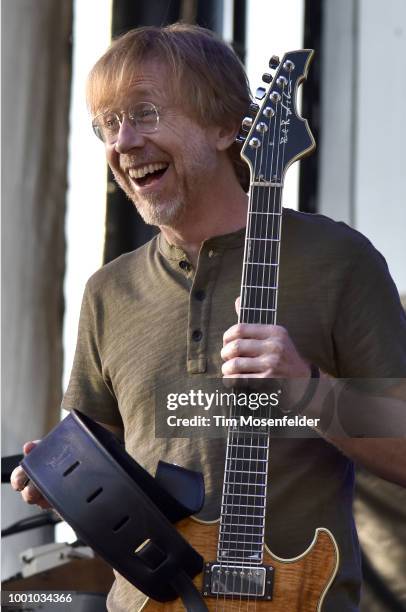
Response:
column 185, row 265
column 200, row 294
column 197, row 335
column 210, row 253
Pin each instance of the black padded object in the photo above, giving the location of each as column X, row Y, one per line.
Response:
column 108, row 499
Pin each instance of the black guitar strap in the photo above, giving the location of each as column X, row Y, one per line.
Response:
column 189, row 594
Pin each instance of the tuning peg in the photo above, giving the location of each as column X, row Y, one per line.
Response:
column 260, row 93
column 240, row 139
column 267, row 78
column 274, row 62
column 246, row 124
column 254, row 108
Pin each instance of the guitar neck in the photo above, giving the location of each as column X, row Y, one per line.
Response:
column 260, row 273
column 242, row 521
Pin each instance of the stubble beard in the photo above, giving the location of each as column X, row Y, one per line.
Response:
column 155, row 209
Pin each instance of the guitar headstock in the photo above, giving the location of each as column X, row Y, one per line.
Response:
column 277, row 135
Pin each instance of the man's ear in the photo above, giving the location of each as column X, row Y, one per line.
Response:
column 225, row 136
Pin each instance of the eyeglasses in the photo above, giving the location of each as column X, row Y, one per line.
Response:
column 144, row 116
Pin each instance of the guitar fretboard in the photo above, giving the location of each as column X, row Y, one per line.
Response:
column 259, row 287
column 242, row 522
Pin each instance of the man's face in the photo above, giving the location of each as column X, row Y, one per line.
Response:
column 165, row 172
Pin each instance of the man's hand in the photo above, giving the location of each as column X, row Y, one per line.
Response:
column 20, row 482
column 261, row 351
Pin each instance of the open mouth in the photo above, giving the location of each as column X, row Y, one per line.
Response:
column 148, row 174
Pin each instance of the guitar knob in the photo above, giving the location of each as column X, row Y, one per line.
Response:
column 282, row 81
column 274, row 62
column 246, row 124
column 269, row 112
column 266, row 77
column 240, row 139
column 289, row 66
column 254, row 108
column 255, row 143
column 260, row 93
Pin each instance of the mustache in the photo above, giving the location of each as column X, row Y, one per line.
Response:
column 134, row 161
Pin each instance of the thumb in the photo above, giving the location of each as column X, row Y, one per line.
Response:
column 28, row 446
column 237, row 305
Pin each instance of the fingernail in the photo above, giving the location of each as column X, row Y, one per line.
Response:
column 23, row 485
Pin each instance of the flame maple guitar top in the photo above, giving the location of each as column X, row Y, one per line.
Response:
column 300, row 584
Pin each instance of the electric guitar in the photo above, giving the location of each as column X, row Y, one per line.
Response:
column 240, row 572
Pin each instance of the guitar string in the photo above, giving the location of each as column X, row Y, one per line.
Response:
column 257, row 287
column 229, row 489
column 270, row 291
column 246, row 318
column 252, row 229
column 265, row 288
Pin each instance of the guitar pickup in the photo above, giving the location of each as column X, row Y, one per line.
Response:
column 223, row 580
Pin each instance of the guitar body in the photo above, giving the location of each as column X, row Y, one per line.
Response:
column 300, row 584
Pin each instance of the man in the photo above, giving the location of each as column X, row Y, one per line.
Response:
column 167, row 103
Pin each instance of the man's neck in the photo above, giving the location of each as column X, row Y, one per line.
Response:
column 219, row 216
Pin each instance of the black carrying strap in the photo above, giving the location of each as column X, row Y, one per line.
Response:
column 101, row 492
column 189, row 594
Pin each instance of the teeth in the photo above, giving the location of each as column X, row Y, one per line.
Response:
column 137, row 173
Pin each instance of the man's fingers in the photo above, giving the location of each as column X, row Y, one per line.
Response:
column 18, row 479
column 31, row 495
column 248, row 331
column 28, row 446
column 241, row 348
column 248, row 365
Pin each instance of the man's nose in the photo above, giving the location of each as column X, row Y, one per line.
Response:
column 128, row 137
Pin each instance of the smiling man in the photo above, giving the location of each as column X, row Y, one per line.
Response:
column 167, row 104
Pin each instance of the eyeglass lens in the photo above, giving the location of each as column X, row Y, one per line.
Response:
column 143, row 115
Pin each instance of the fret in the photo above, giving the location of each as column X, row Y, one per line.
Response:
column 245, row 472
column 232, row 504
column 244, row 527
column 262, row 250
column 241, row 535
column 259, row 495
column 263, row 273
column 246, row 459
column 247, row 446
column 250, row 516
column 257, row 287
column 262, row 309
column 264, row 239
column 260, row 263
column 256, row 433
column 252, row 545
column 261, row 200
column 244, row 484
column 266, row 184
column 246, row 560
column 251, row 498
column 260, row 229
column 267, row 212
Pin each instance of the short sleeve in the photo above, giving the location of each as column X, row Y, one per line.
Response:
column 369, row 333
column 89, row 388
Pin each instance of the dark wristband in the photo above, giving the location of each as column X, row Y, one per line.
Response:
column 309, row 392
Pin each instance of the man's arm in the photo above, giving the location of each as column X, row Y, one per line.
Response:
column 267, row 351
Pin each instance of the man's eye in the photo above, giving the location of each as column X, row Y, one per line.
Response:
column 143, row 115
column 110, row 122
